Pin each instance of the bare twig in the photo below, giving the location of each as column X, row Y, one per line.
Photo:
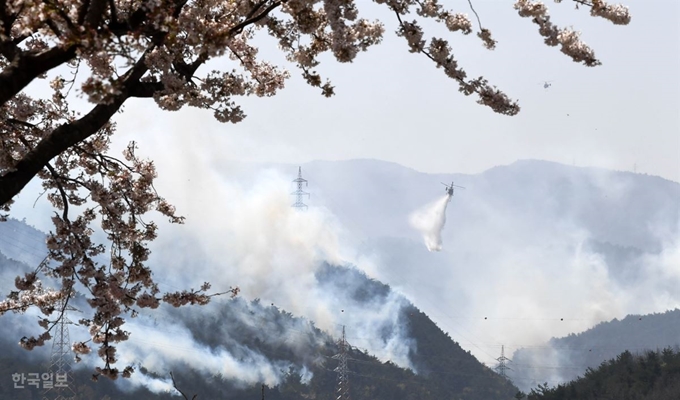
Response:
column 174, row 384
column 476, row 15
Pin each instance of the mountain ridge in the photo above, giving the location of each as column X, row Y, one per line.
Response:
column 244, row 329
column 590, row 237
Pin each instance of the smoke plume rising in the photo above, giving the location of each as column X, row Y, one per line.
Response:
column 253, row 239
column 430, row 221
column 244, row 233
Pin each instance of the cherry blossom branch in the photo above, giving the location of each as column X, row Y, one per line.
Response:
column 255, row 8
column 114, row 12
column 249, row 21
column 617, row 14
column 20, row 122
column 12, row 80
column 64, row 198
column 72, row 27
column 568, row 39
column 26, row 67
column 8, row 46
column 4, row 17
column 476, row 15
column 248, row 66
column 59, row 140
column 29, row 343
column 66, row 136
column 101, row 158
column 31, row 293
column 95, row 12
column 440, row 53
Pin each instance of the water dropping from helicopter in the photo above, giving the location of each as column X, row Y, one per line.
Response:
column 430, row 220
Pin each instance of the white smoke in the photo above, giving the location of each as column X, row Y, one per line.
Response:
column 249, row 236
column 430, row 221
column 241, row 231
column 560, row 361
column 542, row 260
column 160, row 348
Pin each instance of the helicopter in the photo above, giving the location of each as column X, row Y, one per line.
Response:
column 546, row 84
column 449, row 189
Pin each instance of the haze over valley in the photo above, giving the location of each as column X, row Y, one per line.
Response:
column 530, row 252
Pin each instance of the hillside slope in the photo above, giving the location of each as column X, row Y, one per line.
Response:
column 271, row 342
column 566, row 358
column 652, row 375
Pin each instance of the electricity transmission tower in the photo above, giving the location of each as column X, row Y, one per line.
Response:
column 342, row 390
column 502, row 367
column 60, row 360
column 299, row 192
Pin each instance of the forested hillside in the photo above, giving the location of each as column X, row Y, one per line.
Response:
column 570, row 356
column 243, row 328
column 652, row 375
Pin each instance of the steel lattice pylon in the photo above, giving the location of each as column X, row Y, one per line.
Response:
column 299, row 192
column 502, row 367
column 60, row 360
column 342, row 389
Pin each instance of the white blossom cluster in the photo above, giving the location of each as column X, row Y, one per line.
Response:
column 32, row 295
column 160, row 49
column 618, row 14
column 568, row 39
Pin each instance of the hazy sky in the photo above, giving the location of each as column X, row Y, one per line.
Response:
column 396, row 106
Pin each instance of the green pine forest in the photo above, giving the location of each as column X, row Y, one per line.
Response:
column 653, row 375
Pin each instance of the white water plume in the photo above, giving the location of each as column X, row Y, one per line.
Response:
column 430, row 221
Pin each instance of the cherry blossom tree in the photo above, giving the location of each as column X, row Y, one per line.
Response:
column 112, row 50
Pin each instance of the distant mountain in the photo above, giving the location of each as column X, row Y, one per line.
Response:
column 621, row 208
column 622, row 217
column 22, row 242
column 374, row 199
column 566, row 358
